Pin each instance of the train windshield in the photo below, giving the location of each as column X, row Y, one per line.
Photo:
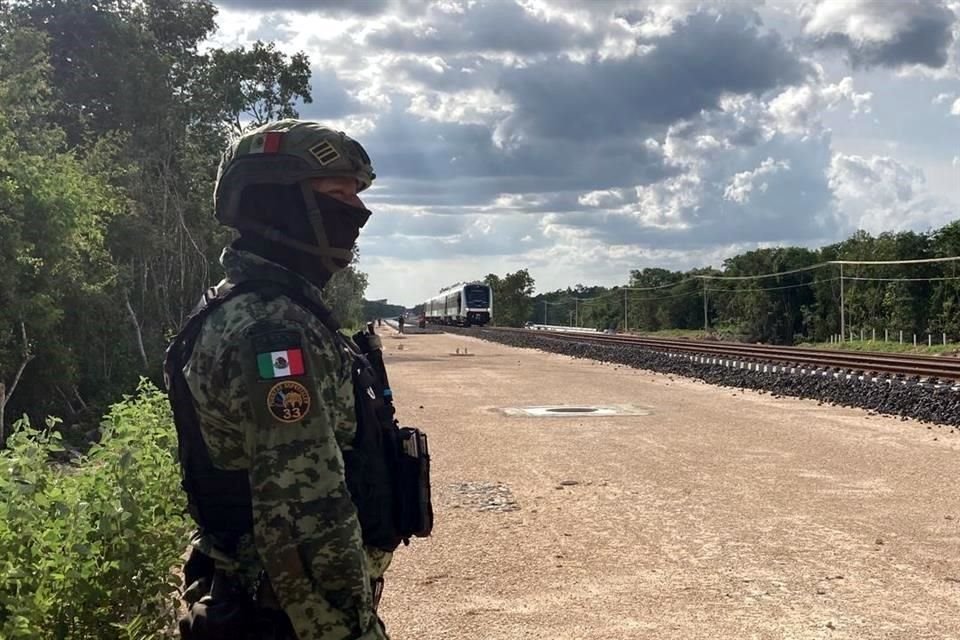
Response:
column 478, row 297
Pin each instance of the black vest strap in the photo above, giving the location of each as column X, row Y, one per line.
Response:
column 213, row 498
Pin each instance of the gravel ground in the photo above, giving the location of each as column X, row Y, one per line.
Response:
column 719, row 514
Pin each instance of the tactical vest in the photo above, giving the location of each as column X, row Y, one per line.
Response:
column 219, row 500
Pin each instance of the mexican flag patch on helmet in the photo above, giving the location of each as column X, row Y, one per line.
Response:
column 268, row 142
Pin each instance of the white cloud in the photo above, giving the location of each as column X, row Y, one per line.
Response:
column 899, row 33
column 955, row 109
column 862, row 20
column 666, row 204
column 604, row 198
column 878, row 193
column 799, row 109
column 944, row 97
column 478, row 106
column 745, row 182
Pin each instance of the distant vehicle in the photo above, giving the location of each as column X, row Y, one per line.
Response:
column 462, row 305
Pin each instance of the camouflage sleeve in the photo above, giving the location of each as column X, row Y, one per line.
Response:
column 305, row 525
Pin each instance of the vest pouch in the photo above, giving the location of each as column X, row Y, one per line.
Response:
column 371, row 466
column 372, row 499
column 413, row 484
column 226, row 613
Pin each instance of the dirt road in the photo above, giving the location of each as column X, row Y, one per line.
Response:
column 717, row 515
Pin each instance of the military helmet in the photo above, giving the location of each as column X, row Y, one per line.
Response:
column 286, row 152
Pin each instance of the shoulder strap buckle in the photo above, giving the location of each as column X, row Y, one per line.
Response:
column 209, row 295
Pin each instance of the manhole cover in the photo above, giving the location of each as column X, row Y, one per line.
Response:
column 578, row 410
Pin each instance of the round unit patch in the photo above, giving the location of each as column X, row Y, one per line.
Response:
column 288, row 401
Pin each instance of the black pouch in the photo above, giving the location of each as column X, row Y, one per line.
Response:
column 413, row 474
column 226, row 613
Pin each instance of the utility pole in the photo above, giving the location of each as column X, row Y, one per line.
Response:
column 843, row 323
column 706, row 319
column 576, row 311
column 545, row 303
column 624, row 310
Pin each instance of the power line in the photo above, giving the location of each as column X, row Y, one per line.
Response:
column 736, row 291
column 788, row 286
column 916, row 261
column 813, row 267
column 676, row 295
column 689, row 293
column 820, row 265
column 661, row 286
column 902, row 279
column 765, row 275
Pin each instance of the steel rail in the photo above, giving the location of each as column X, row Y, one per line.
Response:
column 921, row 366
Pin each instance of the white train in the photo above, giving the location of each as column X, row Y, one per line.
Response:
column 462, row 304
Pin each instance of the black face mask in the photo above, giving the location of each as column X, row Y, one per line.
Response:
column 341, row 223
column 286, row 233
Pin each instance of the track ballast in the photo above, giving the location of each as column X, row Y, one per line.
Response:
column 923, row 388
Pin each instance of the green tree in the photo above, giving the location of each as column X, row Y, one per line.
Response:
column 344, row 293
column 769, row 309
column 373, row 309
column 257, row 85
column 113, row 124
column 874, row 303
column 53, row 208
column 646, row 305
column 512, row 297
column 945, row 296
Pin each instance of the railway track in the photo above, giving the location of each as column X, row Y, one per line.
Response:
column 923, row 367
column 923, row 388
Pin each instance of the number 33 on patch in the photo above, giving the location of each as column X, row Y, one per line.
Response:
column 288, row 401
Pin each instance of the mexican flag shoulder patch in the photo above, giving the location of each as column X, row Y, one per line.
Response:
column 279, row 354
column 280, row 364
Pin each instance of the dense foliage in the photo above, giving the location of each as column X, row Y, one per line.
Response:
column 511, row 294
column 112, row 121
column 87, row 544
column 373, row 309
column 793, row 307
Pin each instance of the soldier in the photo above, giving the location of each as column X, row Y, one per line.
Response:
column 284, row 474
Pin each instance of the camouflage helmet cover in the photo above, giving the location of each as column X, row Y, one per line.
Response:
column 286, row 152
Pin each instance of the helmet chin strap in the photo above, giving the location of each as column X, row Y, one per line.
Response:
column 323, row 248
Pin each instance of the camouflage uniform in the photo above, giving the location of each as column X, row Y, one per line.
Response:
column 287, row 426
column 306, row 534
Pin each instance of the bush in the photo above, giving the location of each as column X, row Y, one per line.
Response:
column 87, row 547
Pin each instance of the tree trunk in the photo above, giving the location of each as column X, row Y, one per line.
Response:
column 6, row 394
column 3, row 404
column 136, row 326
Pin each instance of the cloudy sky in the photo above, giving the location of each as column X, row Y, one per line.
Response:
column 584, row 138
